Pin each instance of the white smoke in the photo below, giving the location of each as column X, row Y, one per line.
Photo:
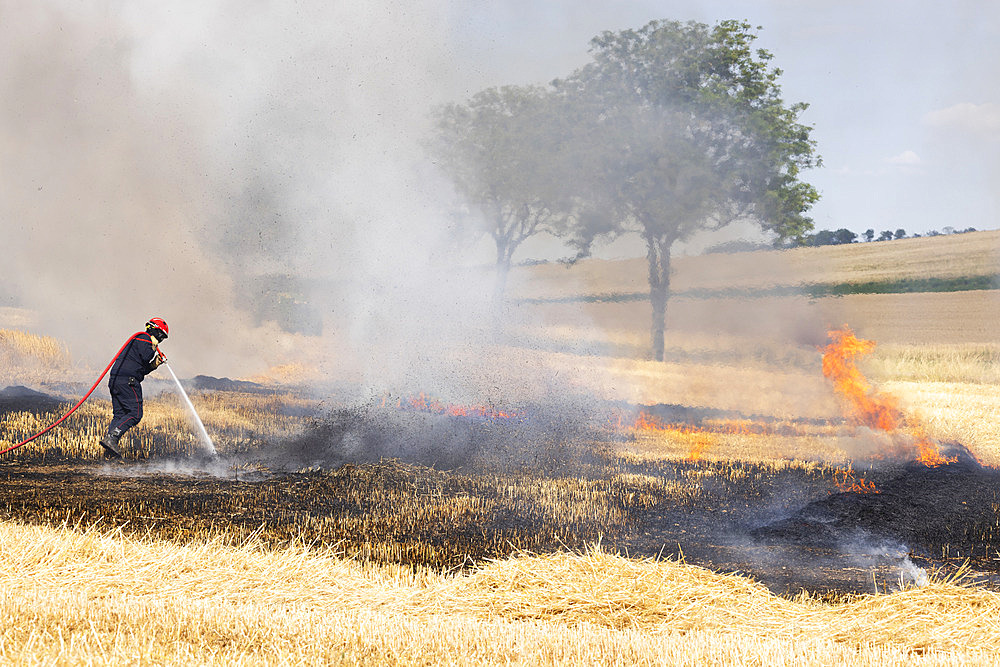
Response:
column 877, row 554
column 159, row 156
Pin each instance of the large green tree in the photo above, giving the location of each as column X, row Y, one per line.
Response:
column 677, row 128
column 498, row 149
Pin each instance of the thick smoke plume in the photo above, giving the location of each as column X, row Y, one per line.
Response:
column 218, row 163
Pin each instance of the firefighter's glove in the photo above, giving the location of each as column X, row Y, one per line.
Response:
column 158, row 358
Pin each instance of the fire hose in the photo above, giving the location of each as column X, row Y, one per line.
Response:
column 81, row 401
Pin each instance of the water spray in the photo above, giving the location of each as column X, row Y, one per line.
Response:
column 205, row 439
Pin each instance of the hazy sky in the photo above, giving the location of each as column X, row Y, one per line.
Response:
column 903, row 95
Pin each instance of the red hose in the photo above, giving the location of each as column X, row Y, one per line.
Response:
column 80, row 402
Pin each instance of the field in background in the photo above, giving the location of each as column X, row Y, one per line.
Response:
column 735, row 341
column 960, row 255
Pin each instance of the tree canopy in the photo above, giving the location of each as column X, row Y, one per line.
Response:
column 671, row 129
column 678, row 128
column 498, row 149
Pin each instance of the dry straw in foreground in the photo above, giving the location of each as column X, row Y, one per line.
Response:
column 99, row 598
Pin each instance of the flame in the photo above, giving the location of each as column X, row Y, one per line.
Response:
column 848, row 482
column 696, row 438
column 425, row 403
column 927, row 449
column 699, row 443
column 866, row 406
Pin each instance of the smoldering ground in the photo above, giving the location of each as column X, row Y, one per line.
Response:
column 933, row 506
column 403, row 512
column 549, row 439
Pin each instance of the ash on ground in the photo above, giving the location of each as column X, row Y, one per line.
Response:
column 946, row 511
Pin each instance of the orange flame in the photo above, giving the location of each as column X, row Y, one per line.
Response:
column 848, row 482
column 865, row 405
column 696, row 438
column 426, row 403
column 699, row 443
column 927, row 449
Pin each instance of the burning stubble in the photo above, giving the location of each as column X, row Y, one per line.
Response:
column 545, row 438
column 870, row 408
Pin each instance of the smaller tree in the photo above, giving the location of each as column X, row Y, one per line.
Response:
column 826, row 237
column 900, row 234
column 869, row 235
column 886, row 235
column 497, row 148
column 822, row 237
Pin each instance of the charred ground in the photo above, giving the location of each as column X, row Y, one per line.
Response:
column 948, row 510
column 451, row 491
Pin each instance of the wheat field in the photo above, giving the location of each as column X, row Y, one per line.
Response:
column 971, row 254
column 99, row 596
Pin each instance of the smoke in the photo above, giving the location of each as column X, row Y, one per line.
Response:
column 216, row 467
column 253, row 173
column 869, row 553
column 106, row 198
column 543, row 438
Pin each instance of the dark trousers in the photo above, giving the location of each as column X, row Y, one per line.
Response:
column 126, row 401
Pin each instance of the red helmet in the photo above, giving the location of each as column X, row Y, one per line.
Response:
column 158, row 323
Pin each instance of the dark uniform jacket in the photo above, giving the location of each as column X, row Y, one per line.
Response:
column 134, row 362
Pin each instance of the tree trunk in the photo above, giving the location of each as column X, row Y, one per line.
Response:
column 499, row 289
column 500, row 283
column 658, row 257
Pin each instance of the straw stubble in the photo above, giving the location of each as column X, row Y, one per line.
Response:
column 101, row 598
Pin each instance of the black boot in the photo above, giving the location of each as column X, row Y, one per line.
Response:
column 110, row 444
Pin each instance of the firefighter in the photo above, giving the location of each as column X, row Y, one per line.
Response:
column 140, row 356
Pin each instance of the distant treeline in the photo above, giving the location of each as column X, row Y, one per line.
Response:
column 843, row 236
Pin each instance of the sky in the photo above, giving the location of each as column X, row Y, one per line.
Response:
column 903, row 96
